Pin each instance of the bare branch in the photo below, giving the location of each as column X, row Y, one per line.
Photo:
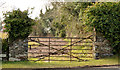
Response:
column 2, row 4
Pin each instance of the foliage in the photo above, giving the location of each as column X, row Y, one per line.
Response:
column 64, row 19
column 73, row 18
column 18, row 24
column 105, row 18
column 4, row 45
column 69, row 19
column 43, row 26
column 38, row 29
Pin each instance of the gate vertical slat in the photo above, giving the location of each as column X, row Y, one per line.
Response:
column 49, row 51
column 30, row 47
column 70, row 50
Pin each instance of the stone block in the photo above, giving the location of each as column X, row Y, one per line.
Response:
column 2, row 55
column 14, row 59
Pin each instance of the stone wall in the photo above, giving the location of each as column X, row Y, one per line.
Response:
column 19, row 50
column 102, row 46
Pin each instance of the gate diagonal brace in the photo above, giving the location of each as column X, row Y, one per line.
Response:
column 59, row 50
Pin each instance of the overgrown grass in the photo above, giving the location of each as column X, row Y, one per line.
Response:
column 42, row 64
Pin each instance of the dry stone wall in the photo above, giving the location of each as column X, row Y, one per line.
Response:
column 19, row 50
column 102, row 46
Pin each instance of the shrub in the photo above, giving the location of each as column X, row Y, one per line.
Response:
column 18, row 24
column 4, row 45
column 105, row 17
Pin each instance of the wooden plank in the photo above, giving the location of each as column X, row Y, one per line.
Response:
column 38, row 45
column 81, row 53
column 59, row 60
column 79, row 49
column 63, row 41
column 37, row 52
column 61, row 37
column 53, row 60
column 54, row 49
column 38, row 56
column 60, row 56
column 85, row 56
column 70, row 50
column 61, row 45
column 40, row 48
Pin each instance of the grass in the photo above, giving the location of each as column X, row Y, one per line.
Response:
column 41, row 64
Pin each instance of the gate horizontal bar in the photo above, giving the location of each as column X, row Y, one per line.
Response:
column 62, row 41
column 59, row 60
column 45, row 48
column 48, row 56
column 61, row 56
column 62, row 37
column 37, row 52
column 38, row 45
column 54, row 60
column 85, row 56
column 53, row 53
column 58, row 49
column 59, row 45
column 78, row 56
column 82, row 53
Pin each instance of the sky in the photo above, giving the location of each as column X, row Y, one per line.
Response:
column 24, row 5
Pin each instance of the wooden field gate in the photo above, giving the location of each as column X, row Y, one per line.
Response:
column 60, row 49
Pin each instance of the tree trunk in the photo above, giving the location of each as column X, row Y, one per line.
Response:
column 7, row 52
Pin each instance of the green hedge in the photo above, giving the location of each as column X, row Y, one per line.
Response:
column 4, row 45
column 105, row 17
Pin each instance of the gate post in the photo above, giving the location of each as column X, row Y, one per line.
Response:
column 95, row 54
column 71, row 50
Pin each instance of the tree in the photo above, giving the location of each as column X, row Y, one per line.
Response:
column 71, row 17
column 18, row 26
column 64, row 19
column 105, row 18
column 44, row 25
